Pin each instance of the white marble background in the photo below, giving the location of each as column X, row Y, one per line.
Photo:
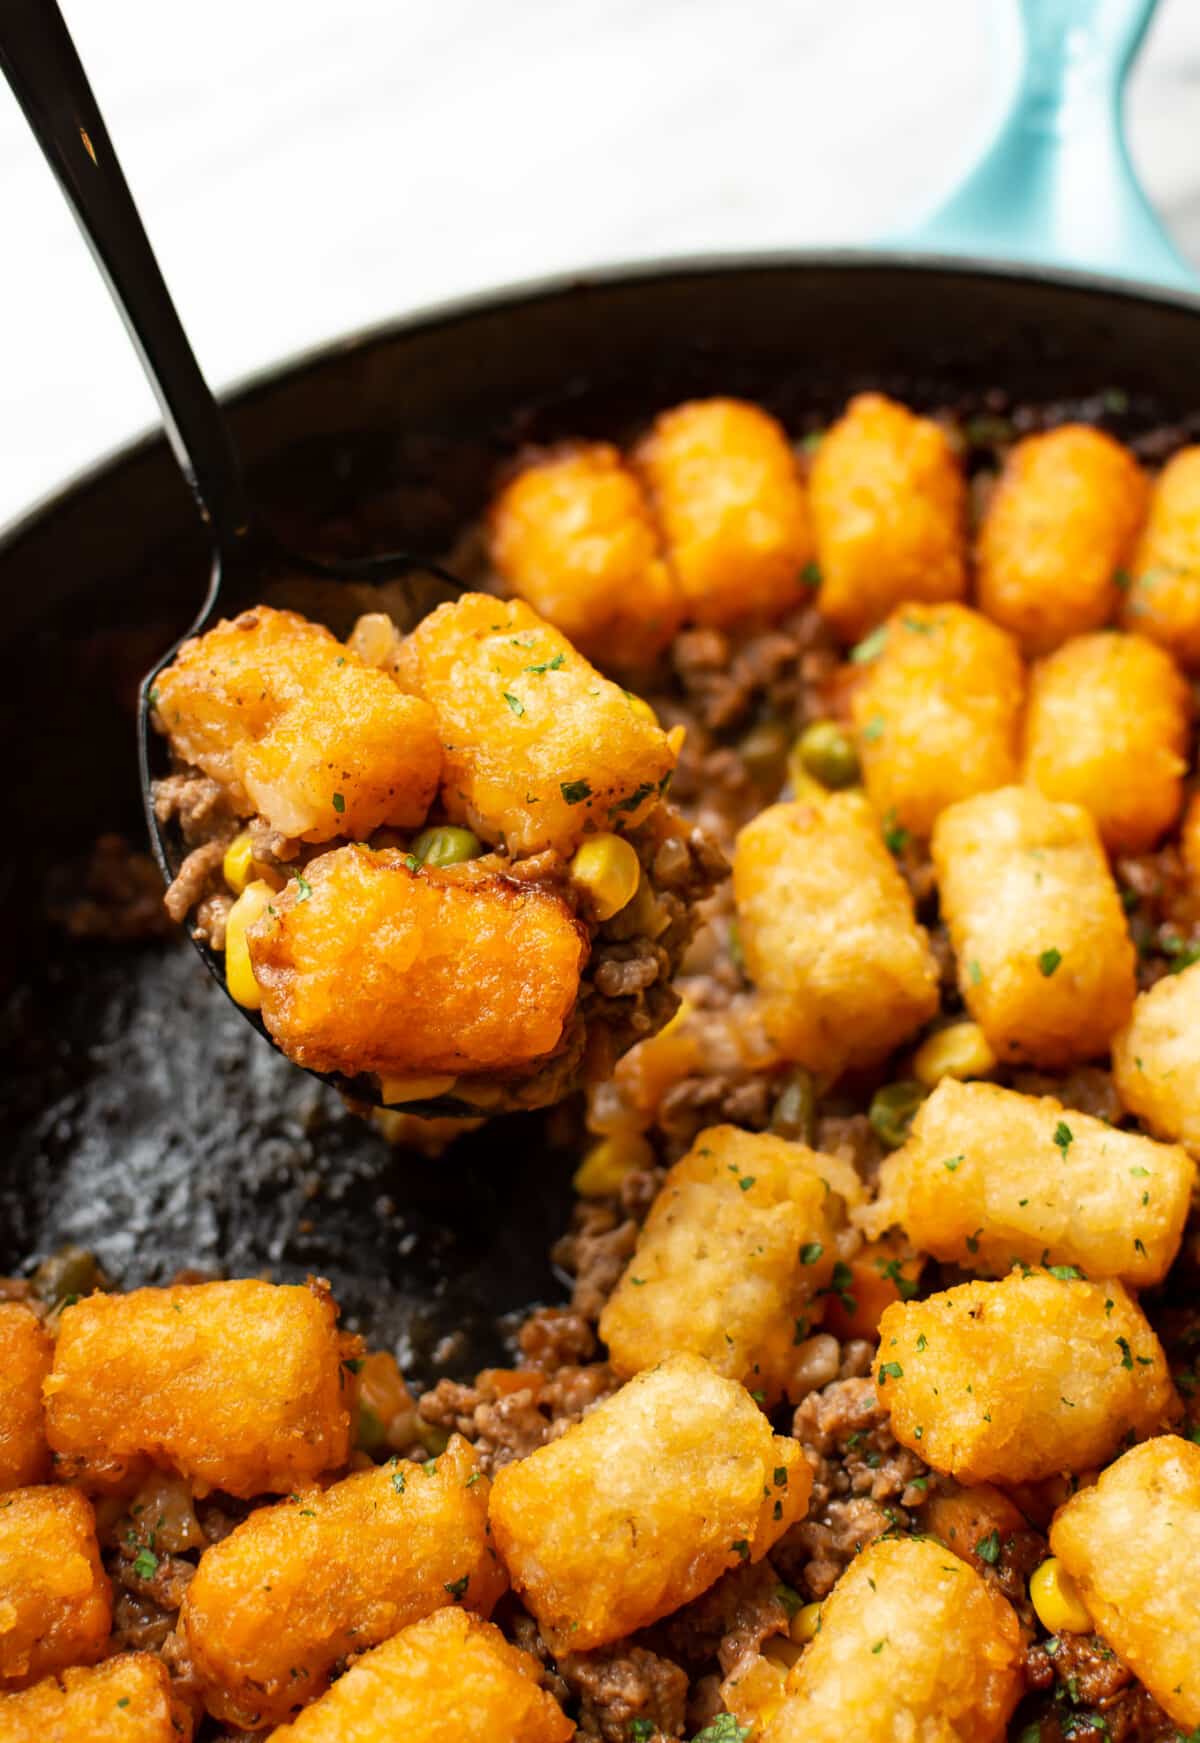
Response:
column 305, row 167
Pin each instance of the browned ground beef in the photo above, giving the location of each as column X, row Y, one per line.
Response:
column 621, row 1683
column 509, row 1424
column 747, row 1606
column 864, row 1483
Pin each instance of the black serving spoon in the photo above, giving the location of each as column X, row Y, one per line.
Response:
column 39, row 61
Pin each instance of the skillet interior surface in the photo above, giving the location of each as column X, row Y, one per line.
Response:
column 139, row 1116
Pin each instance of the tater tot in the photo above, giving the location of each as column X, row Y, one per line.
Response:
column 348, row 960
column 55, row 1598
column 1107, row 728
column 448, row 1679
column 127, row 1699
column 237, row 1386
column 1131, row 1543
column 888, row 506
column 538, row 747
column 26, row 1350
column 1063, row 519
column 828, row 933
column 352, row 755
column 1045, row 963
column 724, row 485
column 1035, row 1376
column 913, row 1644
column 1162, row 599
column 737, row 1243
column 1156, row 1058
column 232, row 683
column 298, row 727
column 682, row 1464
column 937, row 713
column 572, row 536
column 296, row 1586
column 989, row 1177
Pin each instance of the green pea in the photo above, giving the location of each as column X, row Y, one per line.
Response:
column 70, row 1272
column 446, row 845
column 828, row 754
column 795, row 1112
column 892, row 1110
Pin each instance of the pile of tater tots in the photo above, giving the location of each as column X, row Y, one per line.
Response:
column 815, row 815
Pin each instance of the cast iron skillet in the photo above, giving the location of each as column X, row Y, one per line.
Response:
column 139, row 1115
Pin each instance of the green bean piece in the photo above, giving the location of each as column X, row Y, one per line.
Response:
column 892, row 1110
column 795, row 1112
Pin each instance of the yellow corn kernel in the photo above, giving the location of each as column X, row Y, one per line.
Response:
column 605, row 1167
column 238, row 865
column 395, row 1090
column 1055, row 1597
column 806, row 1624
column 675, row 738
column 641, row 708
column 960, row 1050
column 607, row 868
column 373, row 638
column 239, row 976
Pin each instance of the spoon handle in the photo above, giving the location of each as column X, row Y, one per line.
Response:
column 39, row 61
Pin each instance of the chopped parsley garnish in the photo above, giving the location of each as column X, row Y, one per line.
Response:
column 952, row 1162
column 811, row 1252
column 640, row 1729
column 575, row 792
column 922, row 1342
column 1064, row 1137
column 839, row 1285
column 890, row 1368
column 747, row 1181
column 890, row 1268
column 145, row 1564
column 791, row 1601
column 339, row 803
column 895, row 836
column 741, row 1547
column 873, row 730
column 632, row 800
column 974, row 972
column 1126, row 1352
column 456, row 1588
column 305, row 887
column 810, row 575
column 724, row 1729
column 412, row 862
column 398, row 1482
column 988, row 1548
column 548, row 665
column 515, row 703
column 1048, row 961
column 1065, row 1273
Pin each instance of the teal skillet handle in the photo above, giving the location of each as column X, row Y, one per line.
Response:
column 1056, row 187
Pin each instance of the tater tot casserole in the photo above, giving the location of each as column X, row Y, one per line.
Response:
column 807, row 820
